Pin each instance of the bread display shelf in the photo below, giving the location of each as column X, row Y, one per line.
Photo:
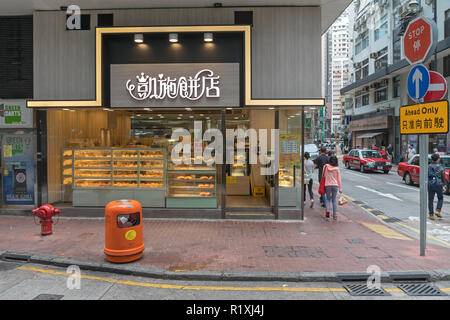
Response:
column 114, row 168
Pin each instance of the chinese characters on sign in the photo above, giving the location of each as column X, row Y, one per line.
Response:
column 424, row 118
column 204, row 83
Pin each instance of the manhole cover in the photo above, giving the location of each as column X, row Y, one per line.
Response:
column 46, row 296
column 363, row 290
column 421, row 289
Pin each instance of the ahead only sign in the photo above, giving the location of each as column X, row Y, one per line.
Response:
column 424, row 118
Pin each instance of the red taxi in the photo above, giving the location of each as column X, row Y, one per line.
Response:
column 366, row 160
column 410, row 171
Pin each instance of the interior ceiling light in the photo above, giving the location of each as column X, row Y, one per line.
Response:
column 208, row 37
column 138, row 38
column 173, row 37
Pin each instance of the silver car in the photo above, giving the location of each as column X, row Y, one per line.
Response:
column 313, row 150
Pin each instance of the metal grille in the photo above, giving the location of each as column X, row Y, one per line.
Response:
column 421, row 289
column 380, row 163
column 363, row 290
column 46, row 296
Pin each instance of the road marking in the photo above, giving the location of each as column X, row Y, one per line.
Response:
column 418, row 232
column 358, row 175
column 385, row 231
column 387, row 195
column 382, row 217
column 179, row 287
column 409, row 188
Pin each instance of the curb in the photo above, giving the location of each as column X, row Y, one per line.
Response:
column 263, row 276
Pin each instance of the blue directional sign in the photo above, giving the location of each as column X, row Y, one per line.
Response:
column 418, row 82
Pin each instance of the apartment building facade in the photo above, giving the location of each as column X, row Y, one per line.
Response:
column 379, row 71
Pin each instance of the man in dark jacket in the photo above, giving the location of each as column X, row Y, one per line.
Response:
column 320, row 162
column 436, row 179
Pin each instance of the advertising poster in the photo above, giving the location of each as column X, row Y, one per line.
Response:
column 290, row 149
column 18, row 169
column 15, row 114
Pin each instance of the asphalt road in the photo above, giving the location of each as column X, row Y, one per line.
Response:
column 390, row 195
column 37, row 282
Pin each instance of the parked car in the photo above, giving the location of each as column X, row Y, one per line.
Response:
column 366, row 160
column 410, row 171
column 313, row 150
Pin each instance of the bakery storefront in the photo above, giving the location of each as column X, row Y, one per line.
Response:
column 174, row 126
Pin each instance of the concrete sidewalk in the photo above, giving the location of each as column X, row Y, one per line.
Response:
column 312, row 250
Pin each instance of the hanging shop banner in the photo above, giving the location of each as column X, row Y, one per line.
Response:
column 424, row 118
column 290, row 149
column 15, row 114
column 175, row 85
column 18, row 169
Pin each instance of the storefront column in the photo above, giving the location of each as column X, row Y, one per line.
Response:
column 303, row 196
column 276, row 177
column 41, row 157
column 223, row 172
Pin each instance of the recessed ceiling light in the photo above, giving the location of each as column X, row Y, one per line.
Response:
column 173, row 37
column 178, row 118
column 72, row 110
column 191, row 117
column 138, row 37
column 66, row 109
column 271, row 108
column 208, row 37
column 188, row 109
column 147, row 109
column 229, row 108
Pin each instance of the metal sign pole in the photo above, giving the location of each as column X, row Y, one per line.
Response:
column 423, row 141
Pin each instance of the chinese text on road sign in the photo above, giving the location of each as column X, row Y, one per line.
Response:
column 425, row 118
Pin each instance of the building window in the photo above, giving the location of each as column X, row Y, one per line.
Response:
column 362, row 42
column 381, row 59
column 382, row 28
column 362, row 99
column 396, row 86
column 447, row 24
column 397, row 50
column 362, row 71
column 447, row 66
column 381, row 95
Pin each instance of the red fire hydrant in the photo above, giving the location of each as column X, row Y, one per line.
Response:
column 45, row 214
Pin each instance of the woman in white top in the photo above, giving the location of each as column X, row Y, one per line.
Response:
column 308, row 179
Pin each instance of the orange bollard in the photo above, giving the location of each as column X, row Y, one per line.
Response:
column 123, row 231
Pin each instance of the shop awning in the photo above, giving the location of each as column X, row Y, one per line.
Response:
column 369, row 135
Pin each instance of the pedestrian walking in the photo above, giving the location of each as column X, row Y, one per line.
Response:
column 411, row 152
column 436, row 179
column 375, row 147
column 389, row 151
column 308, row 179
column 320, row 162
column 333, row 185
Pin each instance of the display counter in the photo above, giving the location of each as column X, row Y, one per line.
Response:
column 191, row 186
column 101, row 175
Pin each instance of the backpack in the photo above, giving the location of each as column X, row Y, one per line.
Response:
column 433, row 179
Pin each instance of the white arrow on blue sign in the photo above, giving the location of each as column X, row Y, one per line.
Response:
column 418, row 82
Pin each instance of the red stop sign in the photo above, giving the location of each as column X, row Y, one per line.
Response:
column 418, row 40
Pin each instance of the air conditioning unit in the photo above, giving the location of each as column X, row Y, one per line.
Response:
column 384, row 82
column 366, row 89
column 374, row 55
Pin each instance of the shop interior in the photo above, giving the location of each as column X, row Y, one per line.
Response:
column 96, row 156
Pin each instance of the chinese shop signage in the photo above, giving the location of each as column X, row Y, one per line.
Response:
column 18, row 169
column 14, row 114
column 425, row 118
column 175, row 85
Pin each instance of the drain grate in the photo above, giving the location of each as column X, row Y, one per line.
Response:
column 46, row 296
column 421, row 289
column 363, row 290
column 391, row 220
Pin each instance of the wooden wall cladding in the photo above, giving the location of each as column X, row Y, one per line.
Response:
column 66, row 129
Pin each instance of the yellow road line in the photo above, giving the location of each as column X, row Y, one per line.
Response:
column 382, row 217
column 385, row 231
column 179, row 287
column 418, row 232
